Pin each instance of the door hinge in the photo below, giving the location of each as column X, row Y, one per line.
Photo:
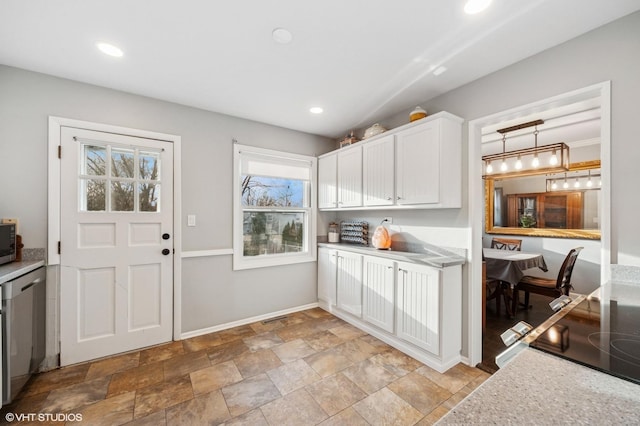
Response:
column 59, row 251
column 59, row 151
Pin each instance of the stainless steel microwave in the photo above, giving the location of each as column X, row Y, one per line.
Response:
column 7, row 242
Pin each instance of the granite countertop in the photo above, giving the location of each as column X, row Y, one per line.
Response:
column 13, row 270
column 537, row 388
column 435, row 257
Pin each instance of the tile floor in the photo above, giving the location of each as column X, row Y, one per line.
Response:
column 310, row 368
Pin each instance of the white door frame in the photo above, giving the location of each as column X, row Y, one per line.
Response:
column 54, row 193
column 601, row 91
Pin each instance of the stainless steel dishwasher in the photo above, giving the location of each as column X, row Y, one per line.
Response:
column 23, row 331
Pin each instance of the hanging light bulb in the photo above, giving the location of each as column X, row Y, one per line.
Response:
column 554, row 185
column 518, row 165
column 565, row 185
column 589, row 183
column 536, row 162
column 489, row 168
column 576, row 184
column 503, row 166
column 554, row 158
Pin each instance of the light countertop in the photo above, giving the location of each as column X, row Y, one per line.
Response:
column 437, row 258
column 536, row 388
column 13, row 270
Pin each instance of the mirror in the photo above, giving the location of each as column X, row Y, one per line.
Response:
column 564, row 205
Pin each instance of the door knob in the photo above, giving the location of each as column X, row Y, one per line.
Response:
column 166, row 251
column 166, row 236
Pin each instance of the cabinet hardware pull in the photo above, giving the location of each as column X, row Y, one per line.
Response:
column 389, row 198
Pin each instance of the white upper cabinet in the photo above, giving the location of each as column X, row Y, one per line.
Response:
column 328, row 181
column 378, row 163
column 418, row 165
column 350, row 177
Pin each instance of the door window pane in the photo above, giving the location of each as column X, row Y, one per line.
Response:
column 93, row 198
column 122, row 163
column 122, row 196
column 149, row 197
column 267, row 233
column 149, row 165
column 95, row 160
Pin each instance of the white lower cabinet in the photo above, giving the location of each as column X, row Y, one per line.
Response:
column 418, row 306
column 327, row 275
column 349, row 282
column 378, row 278
column 413, row 307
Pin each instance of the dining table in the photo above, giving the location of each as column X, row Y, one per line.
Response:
column 509, row 266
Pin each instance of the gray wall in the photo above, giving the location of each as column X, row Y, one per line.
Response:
column 213, row 294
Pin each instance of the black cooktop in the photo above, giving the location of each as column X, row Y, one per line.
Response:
column 601, row 332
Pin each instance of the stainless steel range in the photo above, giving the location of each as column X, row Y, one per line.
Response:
column 600, row 331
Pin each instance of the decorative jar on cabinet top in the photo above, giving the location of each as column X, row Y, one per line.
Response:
column 417, row 114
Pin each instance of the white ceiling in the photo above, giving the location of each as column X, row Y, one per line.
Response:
column 361, row 60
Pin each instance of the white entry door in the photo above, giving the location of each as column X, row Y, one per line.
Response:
column 116, row 249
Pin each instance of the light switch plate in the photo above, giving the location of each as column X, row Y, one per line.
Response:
column 191, row 220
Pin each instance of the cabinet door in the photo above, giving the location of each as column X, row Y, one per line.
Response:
column 327, row 273
column 349, row 283
column 327, row 182
column 378, row 279
column 378, row 164
column 418, row 306
column 418, row 164
column 350, row 177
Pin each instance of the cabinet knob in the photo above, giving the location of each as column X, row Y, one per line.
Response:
column 389, row 198
column 399, row 197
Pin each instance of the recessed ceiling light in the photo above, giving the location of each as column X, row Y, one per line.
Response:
column 110, row 49
column 316, row 110
column 282, row 36
column 439, row 70
column 476, row 6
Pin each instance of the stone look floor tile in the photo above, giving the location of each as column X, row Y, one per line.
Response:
column 209, row 408
column 369, row 376
column 113, row 365
column 161, row 353
column 329, row 362
column 335, row 393
column 76, row 396
column 453, row 379
column 424, row 395
column 298, row 331
column 262, row 341
column 253, row 363
column 185, row 364
column 347, row 332
column 296, row 408
column 385, row 407
column 162, row 395
column 226, row 351
column 348, row 416
column 397, row 362
column 215, row 377
column 376, row 343
column 252, row 418
column 111, row 411
column 236, row 333
column 200, row 343
column 56, row 379
column 357, row 350
column 433, row 417
column 157, row 418
column 135, row 378
column 250, row 393
column 293, row 376
column 293, row 350
column 323, row 340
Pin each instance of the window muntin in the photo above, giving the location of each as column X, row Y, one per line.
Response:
column 128, row 182
column 275, row 221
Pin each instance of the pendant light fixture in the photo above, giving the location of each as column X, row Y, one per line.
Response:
column 543, row 159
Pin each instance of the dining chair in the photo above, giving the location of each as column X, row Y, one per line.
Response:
column 506, row 244
column 495, row 288
column 547, row 286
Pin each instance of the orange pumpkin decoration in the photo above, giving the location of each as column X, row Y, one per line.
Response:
column 381, row 238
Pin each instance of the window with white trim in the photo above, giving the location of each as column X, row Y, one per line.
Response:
column 274, row 208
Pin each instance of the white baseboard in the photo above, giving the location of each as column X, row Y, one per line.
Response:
column 246, row 321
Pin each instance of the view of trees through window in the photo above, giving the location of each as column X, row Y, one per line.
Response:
column 273, row 215
column 122, row 182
